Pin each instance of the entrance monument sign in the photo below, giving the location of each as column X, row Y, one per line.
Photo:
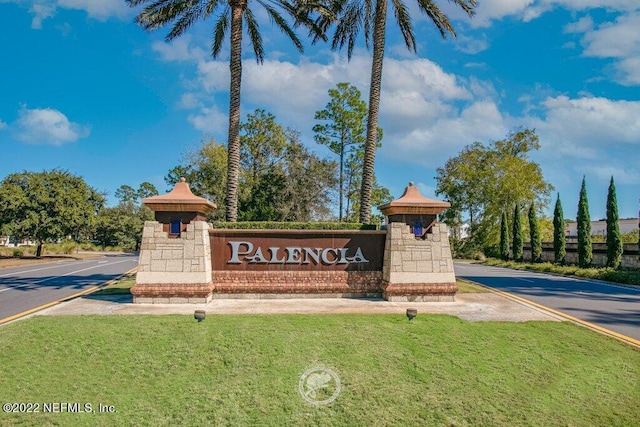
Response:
column 184, row 259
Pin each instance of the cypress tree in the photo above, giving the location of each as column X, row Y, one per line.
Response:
column 585, row 251
column 559, row 238
column 504, row 238
column 534, row 233
column 518, row 242
column 614, row 241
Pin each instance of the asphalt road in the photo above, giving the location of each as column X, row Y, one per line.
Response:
column 613, row 307
column 24, row 288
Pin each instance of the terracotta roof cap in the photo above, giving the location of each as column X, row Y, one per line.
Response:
column 180, row 199
column 413, row 202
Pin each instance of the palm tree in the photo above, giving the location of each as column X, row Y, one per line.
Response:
column 230, row 13
column 355, row 14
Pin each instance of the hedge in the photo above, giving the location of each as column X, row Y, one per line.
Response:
column 272, row 225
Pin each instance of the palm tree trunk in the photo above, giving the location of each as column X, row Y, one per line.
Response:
column 374, row 105
column 235, row 65
column 341, row 178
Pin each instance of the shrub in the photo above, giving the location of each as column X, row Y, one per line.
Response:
column 17, row 253
column 273, row 225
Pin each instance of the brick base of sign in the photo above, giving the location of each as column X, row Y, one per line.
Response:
column 296, row 283
column 420, row 292
column 297, row 296
column 171, row 293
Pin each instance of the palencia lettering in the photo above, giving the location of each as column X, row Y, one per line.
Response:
column 245, row 252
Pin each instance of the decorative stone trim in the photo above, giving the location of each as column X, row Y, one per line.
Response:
column 297, row 282
column 420, row 291
column 172, row 292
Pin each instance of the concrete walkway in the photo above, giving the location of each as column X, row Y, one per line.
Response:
column 471, row 306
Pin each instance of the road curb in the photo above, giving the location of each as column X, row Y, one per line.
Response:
column 17, row 316
column 628, row 340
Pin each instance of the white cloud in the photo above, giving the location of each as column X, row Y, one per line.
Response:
column 588, row 127
column 471, row 45
column 96, row 9
column 48, row 126
column 620, row 175
column 582, row 25
column 619, row 40
column 488, row 11
column 427, row 113
column 189, row 101
column 210, row 120
column 3, row 125
column 615, row 40
column 179, row 50
column 416, row 94
column 41, row 12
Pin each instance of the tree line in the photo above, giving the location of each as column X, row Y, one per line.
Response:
column 493, row 186
column 613, row 237
column 52, row 205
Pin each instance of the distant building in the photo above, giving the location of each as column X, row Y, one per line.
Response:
column 599, row 228
column 460, row 232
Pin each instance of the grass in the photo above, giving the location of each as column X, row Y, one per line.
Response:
column 465, row 287
column 121, row 287
column 244, row 370
column 628, row 277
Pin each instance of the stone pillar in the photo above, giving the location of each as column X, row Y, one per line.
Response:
column 417, row 259
column 174, row 270
column 175, row 256
column 418, row 270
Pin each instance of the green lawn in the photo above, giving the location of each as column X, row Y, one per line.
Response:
column 466, row 287
column 244, row 370
column 121, row 287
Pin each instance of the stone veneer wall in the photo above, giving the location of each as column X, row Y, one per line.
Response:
column 179, row 270
column 418, row 270
column 630, row 256
column 174, row 270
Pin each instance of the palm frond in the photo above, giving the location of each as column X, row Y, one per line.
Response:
column 188, row 17
column 368, row 20
column 253, row 29
column 327, row 15
column 161, row 12
column 404, row 22
column 301, row 14
column 282, row 24
column 134, row 3
column 348, row 27
column 466, row 5
column 439, row 19
column 219, row 31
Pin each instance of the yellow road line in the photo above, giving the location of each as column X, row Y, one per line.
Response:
column 589, row 325
column 67, row 298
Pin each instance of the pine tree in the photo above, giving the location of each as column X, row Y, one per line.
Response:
column 518, row 242
column 504, row 238
column 585, row 251
column 614, row 241
column 534, row 233
column 559, row 238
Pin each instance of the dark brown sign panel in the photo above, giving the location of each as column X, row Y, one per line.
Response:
column 296, row 250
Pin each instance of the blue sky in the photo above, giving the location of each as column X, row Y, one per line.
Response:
column 85, row 89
